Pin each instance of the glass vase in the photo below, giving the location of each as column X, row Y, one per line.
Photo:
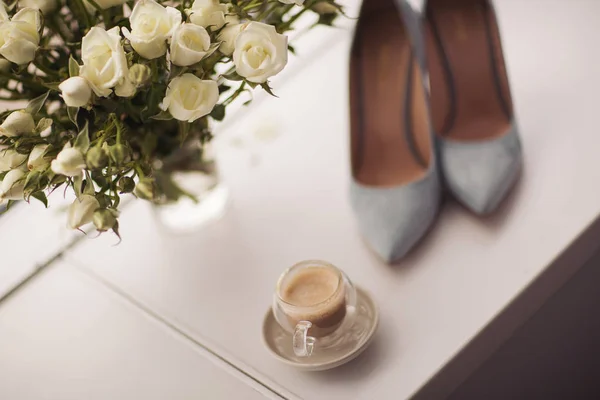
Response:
column 205, row 202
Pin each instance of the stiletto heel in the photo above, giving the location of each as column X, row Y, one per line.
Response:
column 471, row 106
column 395, row 187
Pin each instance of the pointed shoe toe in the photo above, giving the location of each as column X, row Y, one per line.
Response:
column 392, row 221
column 481, row 174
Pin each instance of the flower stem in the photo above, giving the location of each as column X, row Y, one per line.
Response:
column 87, row 19
column 118, row 126
column 235, row 94
column 287, row 25
column 48, row 71
column 107, row 18
column 139, row 171
column 61, row 29
column 25, row 81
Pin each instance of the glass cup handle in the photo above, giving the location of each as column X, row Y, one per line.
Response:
column 302, row 343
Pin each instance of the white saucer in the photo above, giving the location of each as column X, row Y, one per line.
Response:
column 358, row 338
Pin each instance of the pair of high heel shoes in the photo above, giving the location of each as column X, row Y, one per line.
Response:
column 430, row 107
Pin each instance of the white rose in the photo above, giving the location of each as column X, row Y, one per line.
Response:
column 104, row 63
column 151, row 26
column 17, row 123
column 260, row 52
column 10, row 159
column 208, row 13
column 229, row 34
column 296, row 2
column 76, row 91
column 37, row 157
column 189, row 98
column 3, row 13
column 189, row 45
column 104, row 4
column 19, row 37
column 69, row 162
column 81, row 211
column 10, row 189
column 45, row 6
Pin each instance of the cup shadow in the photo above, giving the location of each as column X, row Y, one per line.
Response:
column 360, row 368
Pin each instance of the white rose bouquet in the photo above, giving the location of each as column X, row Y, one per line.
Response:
column 121, row 93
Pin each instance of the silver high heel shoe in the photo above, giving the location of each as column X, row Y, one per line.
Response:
column 479, row 148
column 395, row 188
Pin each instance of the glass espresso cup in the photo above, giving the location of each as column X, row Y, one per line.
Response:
column 314, row 301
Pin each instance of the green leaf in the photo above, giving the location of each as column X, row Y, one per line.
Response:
column 155, row 96
column 58, row 180
column 73, row 67
column 184, row 130
column 218, row 112
column 327, row 19
column 82, row 142
column 95, row 5
column 89, row 185
column 72, row 112
column 77, row 185
column 7, row 207
column 213, row 47
column 291, row 49
column 267, row 88
column 223, row 88
column 116, row 231
column 162, row 116
column 41, row 196
column 32, row 180
column 35, row 105
column 177, row 71
column 51, row 85
column 42, row 23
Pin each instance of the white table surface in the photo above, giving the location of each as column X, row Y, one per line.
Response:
column 30, row 237
column 65, row 336
column 289, row 203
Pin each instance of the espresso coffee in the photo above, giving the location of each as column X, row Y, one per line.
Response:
column 316, row 294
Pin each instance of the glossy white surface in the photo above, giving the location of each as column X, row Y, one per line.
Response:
column 289, row 204
column 30, row 236
column 66, row 337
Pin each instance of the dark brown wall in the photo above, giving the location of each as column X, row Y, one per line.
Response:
column 555, row 355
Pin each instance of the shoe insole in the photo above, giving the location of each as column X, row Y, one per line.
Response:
column 470, row 97
column 390, row 148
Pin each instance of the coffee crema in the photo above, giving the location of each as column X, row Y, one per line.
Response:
column 315, row 294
